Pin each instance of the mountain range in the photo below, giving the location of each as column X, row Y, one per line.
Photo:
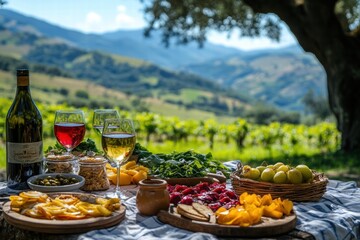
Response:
column 280, row 77
column 126, row 43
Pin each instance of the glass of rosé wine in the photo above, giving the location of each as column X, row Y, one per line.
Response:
column 118, row 142
column 69, row 128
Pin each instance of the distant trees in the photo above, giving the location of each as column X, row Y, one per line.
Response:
column 316, row 105
column 64, row 91
column 82, row 94
column 264, row 114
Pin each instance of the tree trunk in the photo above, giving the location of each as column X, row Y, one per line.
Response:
column 344, row 96
column 319, row 31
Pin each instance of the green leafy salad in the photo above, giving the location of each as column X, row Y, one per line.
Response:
column 179, row 164
column 81, row 149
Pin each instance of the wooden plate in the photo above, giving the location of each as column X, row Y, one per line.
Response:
column 210, row 178
column 268, row 227
column 190, row 181
column 62, row 226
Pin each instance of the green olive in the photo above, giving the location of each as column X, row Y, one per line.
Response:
column 57, row 180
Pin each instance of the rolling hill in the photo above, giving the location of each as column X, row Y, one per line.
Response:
column 278, row 77
column 56, row 90
column 134, row 78
column 281, row 78
column 126, row 43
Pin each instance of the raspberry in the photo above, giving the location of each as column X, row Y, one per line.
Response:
column 188, row 191
column 214, row 206
column 175, row 197
column 187, row 200
column 225, row 200
column 231, row 194
column 218, row 190
column 180, row 188
column 205, row 198
column 203, row 186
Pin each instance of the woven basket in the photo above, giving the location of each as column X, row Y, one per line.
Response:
column 304, row 192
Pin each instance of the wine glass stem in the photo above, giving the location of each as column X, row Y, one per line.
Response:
column 117, row 189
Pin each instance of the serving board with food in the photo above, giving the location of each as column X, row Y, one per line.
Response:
column 65, row 212
column 267, row 227
column 215, row 209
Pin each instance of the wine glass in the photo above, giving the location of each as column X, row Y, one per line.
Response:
column 118, row 142
column 69, row 128
column 99, row 118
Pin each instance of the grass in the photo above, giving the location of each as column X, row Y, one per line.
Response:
column 166, row 109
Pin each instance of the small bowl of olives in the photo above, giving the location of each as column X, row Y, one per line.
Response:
column 56, row 182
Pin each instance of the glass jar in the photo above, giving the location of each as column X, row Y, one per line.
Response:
column 152, row 196
column 66, row 163
column 93, row 169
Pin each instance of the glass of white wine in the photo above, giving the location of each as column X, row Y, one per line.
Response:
column 118, row 142
column 99, row 118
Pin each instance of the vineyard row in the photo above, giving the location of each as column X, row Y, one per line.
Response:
column 154, row 127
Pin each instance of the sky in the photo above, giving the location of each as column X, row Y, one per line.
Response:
column 99, row 16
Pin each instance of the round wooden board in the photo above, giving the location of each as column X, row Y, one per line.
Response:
column 268, row 227
column 62, row 226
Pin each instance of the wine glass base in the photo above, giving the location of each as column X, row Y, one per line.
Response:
column 122, row 195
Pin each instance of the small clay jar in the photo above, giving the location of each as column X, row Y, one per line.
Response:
column 152, row 196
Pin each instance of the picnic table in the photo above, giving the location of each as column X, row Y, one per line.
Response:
column 335, row 216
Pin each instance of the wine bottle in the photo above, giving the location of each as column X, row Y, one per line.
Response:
column 24, row 146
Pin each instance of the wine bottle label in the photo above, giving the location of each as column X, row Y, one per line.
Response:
column 23, row 81
column 24, row 152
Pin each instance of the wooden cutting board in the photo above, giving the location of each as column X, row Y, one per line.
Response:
column 268, row 227
column 61, row 226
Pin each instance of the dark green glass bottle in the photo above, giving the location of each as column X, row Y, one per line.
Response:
column 24, row 146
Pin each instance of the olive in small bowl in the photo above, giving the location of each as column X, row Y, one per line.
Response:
column 55, row 182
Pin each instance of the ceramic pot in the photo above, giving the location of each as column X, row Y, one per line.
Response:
column 152, row 196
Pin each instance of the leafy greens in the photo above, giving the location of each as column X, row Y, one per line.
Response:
column 180, row 164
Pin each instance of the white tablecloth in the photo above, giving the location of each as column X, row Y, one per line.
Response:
column 335, row 216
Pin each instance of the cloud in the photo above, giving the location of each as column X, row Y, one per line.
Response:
column 247, row 43
column 93, row 18
column 125, row 21
column 93, row 23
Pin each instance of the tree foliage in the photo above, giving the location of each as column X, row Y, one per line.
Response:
column 330, row 29
column 191, row 20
